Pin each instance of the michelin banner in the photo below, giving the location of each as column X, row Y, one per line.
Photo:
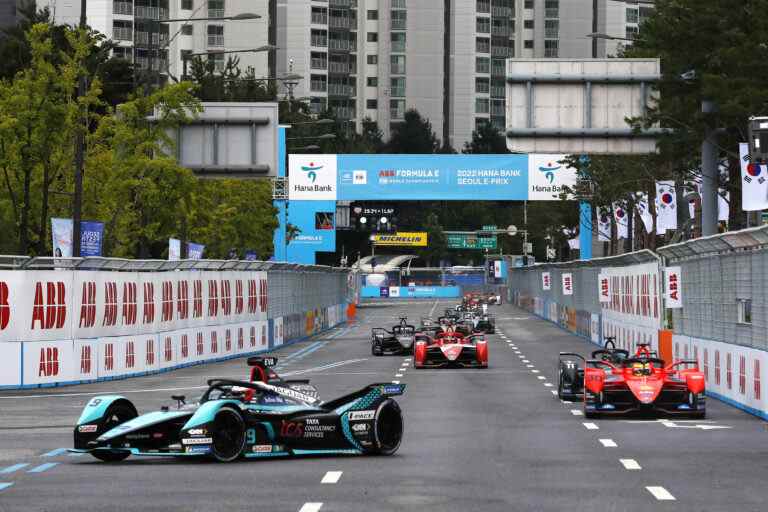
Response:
column 428, row 177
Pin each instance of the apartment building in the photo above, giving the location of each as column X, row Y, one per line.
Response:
column 7, row 13
column 145, row 37
column 446, row 58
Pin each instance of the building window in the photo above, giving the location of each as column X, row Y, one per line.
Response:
column 483, row 25
column 480, row 122
column 373, row 59
column 632, row 16
column 373, row 14
column 528, row 44
column 319, row 16
column 398, row 20
column 482, row 45
column 632, row 32
column 319, row 38
column 319, row 60
column 187, row 30
column 371, row 104
column 482, row 85
column 215, row 8
column 552, row 9
column 215, row 35
column 482, row 65
column 397, row 40
column 551, row 48
column 528, row 24
column 396, row 109
column 528, row 4
column 186, row 5
column 482, row 106
column 218, row 61
column 318, row 83
column 122, row 30
column 397, row 87
column 373, row 37
column 397, row 65
column 744, row 308
column 484, row 6
column 551, row 29
column 372, row 81
column 398, row 4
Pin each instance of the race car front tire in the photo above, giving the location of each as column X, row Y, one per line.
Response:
column 388, row 428
column 117, row 414
column 228, row 434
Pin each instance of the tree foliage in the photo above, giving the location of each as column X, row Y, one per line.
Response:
column 487, row 139
column 413, row 136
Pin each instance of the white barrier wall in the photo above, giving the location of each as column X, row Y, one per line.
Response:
column 634, row 313
column 60, row 327
column 733, row 373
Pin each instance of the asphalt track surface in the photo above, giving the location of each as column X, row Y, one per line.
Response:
column 475, row 440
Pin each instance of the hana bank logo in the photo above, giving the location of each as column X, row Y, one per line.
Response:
column 311, row 170
column 549, row 171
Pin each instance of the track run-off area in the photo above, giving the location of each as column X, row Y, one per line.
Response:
column 475, row 440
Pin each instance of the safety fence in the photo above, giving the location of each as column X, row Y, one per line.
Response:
column 66, row 321
column 704, row 299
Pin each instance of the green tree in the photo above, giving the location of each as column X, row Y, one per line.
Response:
column 413, row 136
column 437, row 242
column 229, row 84
column 487, row 139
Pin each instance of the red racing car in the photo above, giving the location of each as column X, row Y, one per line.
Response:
column 643, row 383
column 450, row 348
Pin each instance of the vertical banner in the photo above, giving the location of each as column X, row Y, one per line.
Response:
column 672, row 281
column 622, row 221
column 61, row 234
column 250, row 255
column 666, row 206
column 568, row 284
column 754, row 185
column 604, row 290
column 546, row 281
column 644, row 211
column 195, row 251
column 174, row 249
column 91, row 235
column 603, row 225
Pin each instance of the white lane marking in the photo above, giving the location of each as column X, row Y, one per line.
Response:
column 577, row 412
column 608, row 443
column 432, row 311
column 535, row 371
column 566, row 402
column 395, row 382
column 331, row 477
column 407, row 359
column 548, row 384
column 324, row 367
column 311, row 507
column 530, row 366
column 541, row 377
column 591, row 426
column 553, row 392
column 660, row 493
column 398, row 375
column 526, row 361
column 521, row 356
column 630, row 464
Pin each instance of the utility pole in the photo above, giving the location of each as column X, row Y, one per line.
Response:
column 709, row 172
column 77, row 207
column 594, row 27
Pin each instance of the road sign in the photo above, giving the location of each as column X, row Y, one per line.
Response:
column 511, row 230
column 467, row 241
column 490, row 228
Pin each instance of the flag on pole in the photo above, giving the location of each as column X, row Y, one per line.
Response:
column 603, row 225
column 723, row 205
column 645, row 211
column 754, row 182
column 622, row 221
column 666, row 206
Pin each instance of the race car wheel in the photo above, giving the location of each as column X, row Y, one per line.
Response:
column 117, row 413
column 376, row 349
column 228, row 433
column 388, row 428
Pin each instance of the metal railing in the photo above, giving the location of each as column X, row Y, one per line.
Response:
column 123, row 8
column 215, row 40
column 122, row 33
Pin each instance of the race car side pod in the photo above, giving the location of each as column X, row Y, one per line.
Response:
column 694, row 379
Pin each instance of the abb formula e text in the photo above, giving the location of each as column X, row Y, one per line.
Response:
column 264, row 417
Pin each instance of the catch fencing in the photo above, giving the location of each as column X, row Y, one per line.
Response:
column 705, row 299
column 66, row 321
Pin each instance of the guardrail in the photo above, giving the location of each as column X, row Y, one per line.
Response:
column 73, row 320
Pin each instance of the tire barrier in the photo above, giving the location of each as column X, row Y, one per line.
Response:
column 69, row 325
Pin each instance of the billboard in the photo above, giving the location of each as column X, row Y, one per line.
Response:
column 418, row 239
column 505, row 177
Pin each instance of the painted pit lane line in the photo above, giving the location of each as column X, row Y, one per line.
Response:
column 331, row 477
column 14, row 468
column 43, row 467
column 591, row 426
column 311, row 507
column 608, row 443
column 630, row 464
column 660, row 493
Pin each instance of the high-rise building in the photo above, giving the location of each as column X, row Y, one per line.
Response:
column 7, row 13
column 446, row 58
column 143, row 37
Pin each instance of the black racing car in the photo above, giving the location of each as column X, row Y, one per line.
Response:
column 264, row 417
column 570, row 376
column 397, row 341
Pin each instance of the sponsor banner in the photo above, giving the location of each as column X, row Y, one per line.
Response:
column 394, row 291
column 547, row 177
column 754, row 182
column 673, row 287
column 61, row 235
column 546, row 281
column 91, row 236
column 47, row 362
column 10, row 364
column 195, row 251
column 174, row 249
column 405, row 239
column 594, row 329
column 312, row 177
column 604, row 287
column 86, row 354
column 35, row 306
column 415, row 292
column 567, row 279
column 278, row 333
column 666, row 206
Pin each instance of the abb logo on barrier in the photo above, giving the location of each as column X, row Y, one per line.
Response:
column 85, row 359
column 200, row 345
column 239, row 297
column 240, row 341
column 182, row 300
column 109, row 357
column 149, row 303
column 150, row 352
column 257, row 295
column 168, row 352
column 197, row 301
column 49, row 310
column 49, row 362
column 5, row 308
column 184, row 346
column 253, row 336
column 130, row 308
column 228, row 340
column 263, row 334
column 226, row 299
column 214, row 343
column 213, row 298
column 130, row 355
column 167, row 300
column 110, row 305
column 88, row 305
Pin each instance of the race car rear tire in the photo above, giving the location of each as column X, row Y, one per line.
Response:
column 116, row 414
column 387, row 428
column 228, row 434
column 376, row 350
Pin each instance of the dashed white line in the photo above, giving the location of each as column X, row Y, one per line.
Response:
column 660, row 493
column 395, row 382
column 591, row 426
column 630, row 464
column 398, row 375
column 553, row 392
column 566, row 402
column 526, row 361
column 608, row 443
column 530, row 366
column 577, row 412
column 310, row 507
column 541, row 377
column 535, row 371
column 331, row 477
column 549, row 385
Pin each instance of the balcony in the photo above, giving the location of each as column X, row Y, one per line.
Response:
column 122, row 33
column 343, row 4
column 343, row 68
column 122, row 8
column 397, row 92
column 551, row 12
column 343, row 45
column 340, row 90
column 319, row 41
column 215, row 40
column 318, row 86
column 497, row 109
column 503, row 52
column 498, row 11
column 215, row 13
column 498, row 92
column 143, row 39
column 338, row 22
column 344, row 113
column 319, row 18
column 501, row 30
column 398, row 4
column 151, row 13
column 319, row 64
